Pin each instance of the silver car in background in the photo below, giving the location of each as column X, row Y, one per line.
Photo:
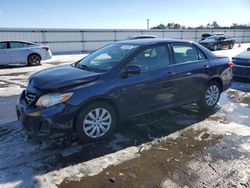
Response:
column 21, row 52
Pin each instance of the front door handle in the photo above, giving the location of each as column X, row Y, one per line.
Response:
column 205, row 68
column 171, row 74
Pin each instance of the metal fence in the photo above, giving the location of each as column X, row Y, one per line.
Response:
column 85, row 40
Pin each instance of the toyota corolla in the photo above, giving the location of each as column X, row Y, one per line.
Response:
column 120, row 81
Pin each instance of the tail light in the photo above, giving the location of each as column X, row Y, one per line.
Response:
column 230, row 64
column 46, row 48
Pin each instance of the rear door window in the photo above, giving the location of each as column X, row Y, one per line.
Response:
column 18, row 44
column 185, row 53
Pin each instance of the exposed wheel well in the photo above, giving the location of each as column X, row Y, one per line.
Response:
column 108, row 101
column 218, row 80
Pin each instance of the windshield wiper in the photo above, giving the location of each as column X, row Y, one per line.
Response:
column 84, row 67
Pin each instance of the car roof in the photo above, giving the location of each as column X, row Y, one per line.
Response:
column 19, row 41
column 152, row 41
column 141, row 37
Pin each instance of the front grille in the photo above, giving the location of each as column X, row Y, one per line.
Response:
column 30, row 97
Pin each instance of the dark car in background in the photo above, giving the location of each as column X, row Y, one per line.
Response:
column 216, row 42
column 120, row 81
column 206, row 35
column 141, row 37
column 241, row 69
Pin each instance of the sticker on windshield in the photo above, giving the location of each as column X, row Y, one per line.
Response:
column 127, row 47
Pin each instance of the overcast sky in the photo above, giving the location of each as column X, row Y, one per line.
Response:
column 121, row 13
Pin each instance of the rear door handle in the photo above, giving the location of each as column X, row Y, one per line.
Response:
column 205, row 68
column 189, row 74
column 171, row 73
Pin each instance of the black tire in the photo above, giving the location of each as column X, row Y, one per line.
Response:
column 34, row 60
column 83, row 120
column 204, row 101
column 215, row 47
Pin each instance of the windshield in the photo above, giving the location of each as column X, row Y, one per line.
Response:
column 107, row 57
column 214, row 37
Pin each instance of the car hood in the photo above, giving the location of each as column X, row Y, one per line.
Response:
column 61, row 77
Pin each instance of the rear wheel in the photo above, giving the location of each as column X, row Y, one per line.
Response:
column 34, row 59
column 96, row 121
column 211, row 96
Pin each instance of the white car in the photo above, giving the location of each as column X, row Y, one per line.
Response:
column 21, row 52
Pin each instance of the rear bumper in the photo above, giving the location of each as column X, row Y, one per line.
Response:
column 47, row 55
column 241, row 71
column 46, row 122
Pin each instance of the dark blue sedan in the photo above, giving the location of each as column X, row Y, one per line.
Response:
column 241, row 70
column 120, row 81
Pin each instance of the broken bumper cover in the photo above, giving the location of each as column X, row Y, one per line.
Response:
column 45, row 122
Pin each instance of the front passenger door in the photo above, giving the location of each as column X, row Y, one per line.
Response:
column 4, row 53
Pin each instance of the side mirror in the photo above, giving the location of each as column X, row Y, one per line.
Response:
column 248, row 49
column 132, row 69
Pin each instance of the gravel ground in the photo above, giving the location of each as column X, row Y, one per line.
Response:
column 181, row 147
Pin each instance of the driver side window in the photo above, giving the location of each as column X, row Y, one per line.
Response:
column 152, row 58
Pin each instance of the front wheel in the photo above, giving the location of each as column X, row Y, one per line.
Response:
column 215, row 47
column 211, row 96
column 231, row 46
column 96, row 121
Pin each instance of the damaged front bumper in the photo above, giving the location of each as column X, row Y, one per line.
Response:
column 45, row 122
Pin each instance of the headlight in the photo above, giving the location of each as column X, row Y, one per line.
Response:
column 53, row 99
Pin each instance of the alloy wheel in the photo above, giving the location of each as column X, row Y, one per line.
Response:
column 212, row 95
column 34, row 60
column 97, row 122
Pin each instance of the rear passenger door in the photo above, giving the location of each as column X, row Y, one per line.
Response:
column 192, row 71
column 18, row 52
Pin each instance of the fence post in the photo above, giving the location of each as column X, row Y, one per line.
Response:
column 181, row 35
column 83, row 42
column 195, row 38
column 115, row 37
column 43, row 36
column 243, row 36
